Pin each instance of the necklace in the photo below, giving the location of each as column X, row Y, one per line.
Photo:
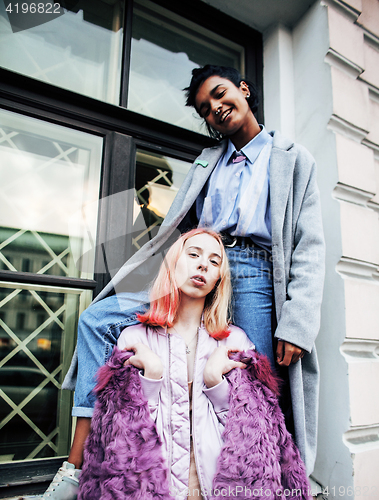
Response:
column 189, row 343
column 188, row 351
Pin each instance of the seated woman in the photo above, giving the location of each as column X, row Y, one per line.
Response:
column 179, row 427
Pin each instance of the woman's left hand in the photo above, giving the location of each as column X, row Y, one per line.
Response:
column 218, row 364
column 287, row 353
column 144, row 358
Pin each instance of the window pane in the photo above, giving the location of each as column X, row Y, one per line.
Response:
column 165, row 49
column 37, row 331
column 158, row 179
column 49, row 190
column 80, row 50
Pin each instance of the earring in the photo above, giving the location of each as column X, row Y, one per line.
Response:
column 248, row 95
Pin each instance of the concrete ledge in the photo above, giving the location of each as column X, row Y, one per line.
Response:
column 357, row 350
column 344, row 8
column 341, row 126
column 372, row 145
column 362, row 438
column 341, row 62
column 353, row 268
column 351, row 194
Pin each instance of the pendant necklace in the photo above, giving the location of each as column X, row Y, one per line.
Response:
column 189, row 343
column 188, row 351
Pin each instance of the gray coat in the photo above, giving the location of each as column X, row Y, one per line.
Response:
column 298, row 265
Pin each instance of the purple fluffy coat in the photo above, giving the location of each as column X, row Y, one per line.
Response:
column 123, row 456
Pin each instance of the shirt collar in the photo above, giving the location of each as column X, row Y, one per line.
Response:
column 253, row 148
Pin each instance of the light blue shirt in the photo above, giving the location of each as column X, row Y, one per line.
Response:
column 237, row 194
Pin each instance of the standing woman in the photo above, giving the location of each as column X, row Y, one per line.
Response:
column 266, row 202
column 260, row 190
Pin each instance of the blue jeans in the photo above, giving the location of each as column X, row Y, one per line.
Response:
column 252, row 303
column 98, row 330
column 101, row 324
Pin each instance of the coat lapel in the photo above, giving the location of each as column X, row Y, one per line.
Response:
column 282, row 163
column 186, row 197
column 281, row 166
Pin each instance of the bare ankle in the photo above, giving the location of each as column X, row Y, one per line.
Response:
column 83, row 426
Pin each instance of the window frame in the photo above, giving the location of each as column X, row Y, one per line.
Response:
column 214, row 20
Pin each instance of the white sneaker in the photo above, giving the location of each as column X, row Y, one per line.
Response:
column 65, row 484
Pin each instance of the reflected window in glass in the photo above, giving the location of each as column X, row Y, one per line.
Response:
column 165, row 49
column 80, row 50
column 36, row 341
column 158, row 179
column 48, row 197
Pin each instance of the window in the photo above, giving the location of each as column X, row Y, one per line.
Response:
column 26, row 265
column 33, row 421
column 49, row 175
column 95, row 141
column 158, row 179
column 20, row 321
column 165, row 48
column 80, row 50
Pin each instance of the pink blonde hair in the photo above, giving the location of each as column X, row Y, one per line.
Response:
column 165, row 293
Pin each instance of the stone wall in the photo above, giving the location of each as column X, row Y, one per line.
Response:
column 322, row 90
column 353, row 57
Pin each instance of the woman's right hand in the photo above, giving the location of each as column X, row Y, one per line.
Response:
column 145, row 359
column 218, row 364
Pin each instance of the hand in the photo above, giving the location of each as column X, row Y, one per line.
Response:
column 144, row 358
column 287, row 353
column 219, row 363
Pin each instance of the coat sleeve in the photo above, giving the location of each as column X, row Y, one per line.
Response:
column 151, row 390
column 299, row 320
column 219, row 394
column 238, row 338
column 219, row 397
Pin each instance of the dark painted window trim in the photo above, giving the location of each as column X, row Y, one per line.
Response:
column 41, row 100
column 127, row 47
column 47, row 279
column 118, row 175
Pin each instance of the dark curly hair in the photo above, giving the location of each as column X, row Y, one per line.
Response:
column 199, row 75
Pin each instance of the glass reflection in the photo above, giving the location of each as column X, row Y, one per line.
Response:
column 165, row 49
column 80, row 50
column 158, row 179
column 48, row 196
column 36, row 328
